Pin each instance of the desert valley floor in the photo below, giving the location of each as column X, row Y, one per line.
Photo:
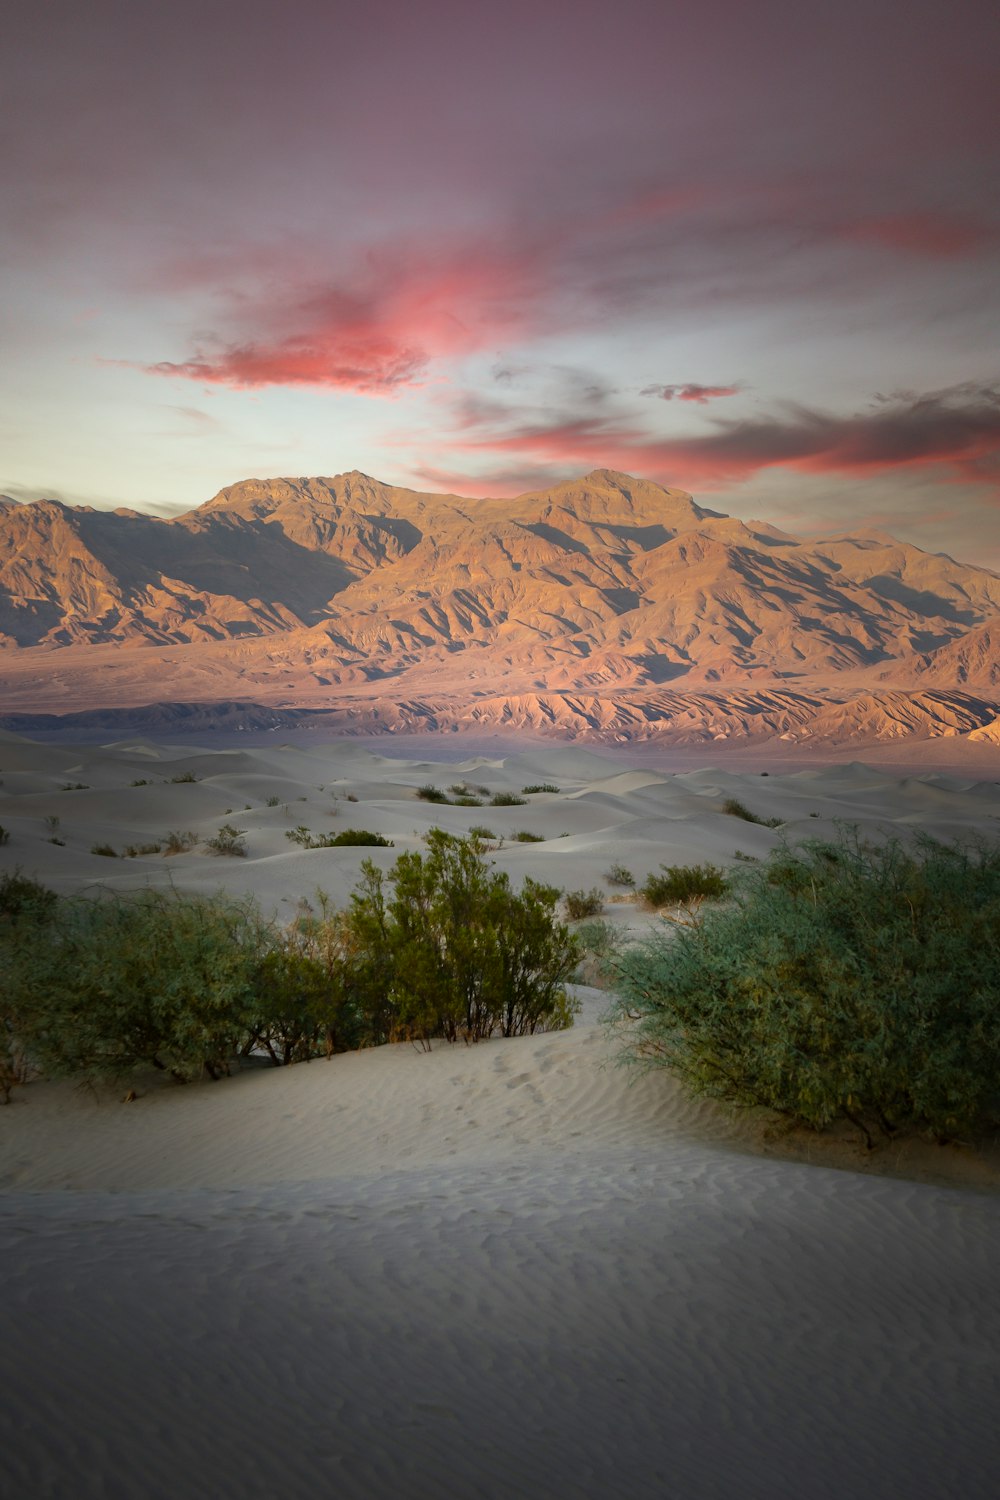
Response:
column 505, row 1270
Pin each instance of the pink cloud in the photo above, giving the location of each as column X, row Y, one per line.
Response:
column 937, row 236
column 376, row 330
column 701, row 394
column 958, row 429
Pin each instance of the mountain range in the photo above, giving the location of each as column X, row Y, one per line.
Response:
column 606, row 607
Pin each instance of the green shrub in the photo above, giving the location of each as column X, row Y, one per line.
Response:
column 4, row 835
column 679, row 884
column 183, row 778
column 506, row 799
column 480, row 831
column 356, row 838
column 75, row 786
column 444, row 947
column 541, row 786
column 228, row 840
column 107, row 850
column 24, row 900
column 147, row 980
column 843, row 981
column 428, row 793
column 272, row 801
column 620, row 875
column 524, row 837
column 580, row 904
column 141, row 782
column 736, row 809
column 465, row 800
column 600, row 943
column 177, row 842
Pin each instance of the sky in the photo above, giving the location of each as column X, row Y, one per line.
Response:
column 749, row 250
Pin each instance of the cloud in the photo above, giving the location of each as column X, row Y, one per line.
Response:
column 934, row 235
column 701, row 394
column 374, row 329
column 957, row 429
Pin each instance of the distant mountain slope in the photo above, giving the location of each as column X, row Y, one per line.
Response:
column 605, row 586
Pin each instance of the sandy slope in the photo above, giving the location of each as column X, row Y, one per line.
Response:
column 496, row 1271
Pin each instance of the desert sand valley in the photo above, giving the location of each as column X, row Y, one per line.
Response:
column 509, row 1269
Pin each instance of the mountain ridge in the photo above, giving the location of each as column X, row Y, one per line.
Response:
column 341, row 590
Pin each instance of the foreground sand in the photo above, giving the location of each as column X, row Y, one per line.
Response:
column 496, row 1271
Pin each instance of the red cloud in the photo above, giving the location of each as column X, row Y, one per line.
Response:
column 959, row 428
column 379, row 333
column 702, row 394
column 938, row 236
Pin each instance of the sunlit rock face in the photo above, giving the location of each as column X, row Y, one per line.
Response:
column 607, row 607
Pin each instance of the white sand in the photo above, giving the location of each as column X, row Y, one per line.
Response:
column 496, row 1271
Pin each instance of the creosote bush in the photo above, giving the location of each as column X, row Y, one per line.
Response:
column 178, row 842
column 620, row 875
column 843, row 981
column 539, row 786
column 678, row 885
column 580, row 904
column 446, row 948
column 359, row 838
column 228, row 840
column 429, row 793
column 438, row 946
column 736, row 809
column 506, row 799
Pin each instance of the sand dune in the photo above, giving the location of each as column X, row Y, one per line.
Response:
column 507, row 1270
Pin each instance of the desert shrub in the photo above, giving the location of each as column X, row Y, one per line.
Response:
column 350, row 797
column 677, row 885
column 480, row 831
column 132, row 851
column 600, row 944
column 541, row 786
column 309, row 1008
column 228, row 840
column 108, row 850
column 147, row 980
column 272, row 801
column 524, row 837
column 142, row 781
column 4, row 835
column 620, row 875
column 580, row 904
column 300, row 835
column 357, row 838
column 465, row 799
column 177, row 842
column 506, row 799
column 75, row 786
column 843, row 981
column 428, row 793
column 25, row 909
column 24, row 900
column 183, row 778
column 444, row 947
column 736, row 809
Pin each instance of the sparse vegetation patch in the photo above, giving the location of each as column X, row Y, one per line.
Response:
column 678, row 885
column 736, row 809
